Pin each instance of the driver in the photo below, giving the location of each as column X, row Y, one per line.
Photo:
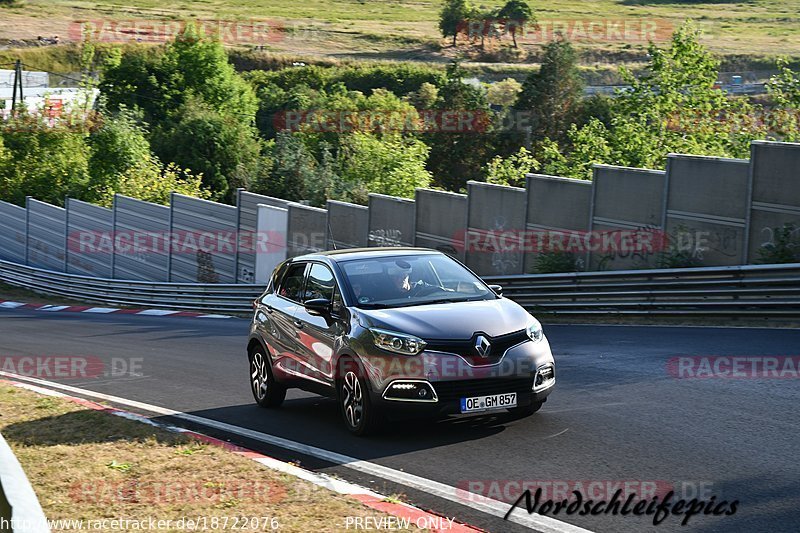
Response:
column 399, row 275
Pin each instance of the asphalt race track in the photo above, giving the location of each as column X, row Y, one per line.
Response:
column 617, row 414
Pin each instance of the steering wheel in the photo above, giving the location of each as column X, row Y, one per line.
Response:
column 424, row 289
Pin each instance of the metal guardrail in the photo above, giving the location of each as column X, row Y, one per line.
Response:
column 212, row 298
column 750, row 290
column 20, row 511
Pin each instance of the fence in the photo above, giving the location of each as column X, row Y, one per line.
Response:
column 702, row 211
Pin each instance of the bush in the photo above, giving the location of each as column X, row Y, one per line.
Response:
column 555, row 262
column 784, row 246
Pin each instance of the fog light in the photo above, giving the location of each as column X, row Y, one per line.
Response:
column 410, row 391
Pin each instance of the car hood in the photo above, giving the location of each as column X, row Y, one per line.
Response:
column 454, row 321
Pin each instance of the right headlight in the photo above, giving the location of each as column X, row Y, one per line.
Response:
column 534, row 331
column 401, row 343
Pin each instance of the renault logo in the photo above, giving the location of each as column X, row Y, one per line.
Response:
column 482, row 346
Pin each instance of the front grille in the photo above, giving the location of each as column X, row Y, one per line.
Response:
column 466, row 348
column 454, row 390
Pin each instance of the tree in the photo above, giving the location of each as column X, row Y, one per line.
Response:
column 219, row 147
column 119, row 145
column 552, row 95
column 150, row 181
column 160, row 80
column 460, row 147
column 293, row 166
column 424, row 97
column 516, row 14
column 393, row 165
column 674, row 107
column 784, row 87
column 48, row 162
column 504, row 93
column 511, row 170
column 452, row 18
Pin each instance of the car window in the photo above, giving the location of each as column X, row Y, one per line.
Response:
column 320, row 283
column 398, row 281
column 337, row 301
column 276, row 276
column 292, row 284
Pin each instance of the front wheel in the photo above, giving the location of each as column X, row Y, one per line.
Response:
column 266, row 391
column 360, row 416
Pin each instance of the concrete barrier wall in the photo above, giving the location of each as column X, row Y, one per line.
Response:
column 13, row 232
column 90, row 250
column 47, row 235
column 714, row 211
column 212, row 261
column 495, row 223
column 774, row 193
column 706, row 209
column 307, row 229
column 556, row 209
column 441, row 219
column 391, row 221
column 628, row 202
column 248, row 203
column 348, row 225
column 272, row 226
column 133, row 217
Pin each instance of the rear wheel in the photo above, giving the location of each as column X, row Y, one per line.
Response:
column 266, row 391
column 359, row 414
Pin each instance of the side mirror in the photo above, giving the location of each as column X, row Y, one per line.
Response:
column 498, row 289
column 318, row 306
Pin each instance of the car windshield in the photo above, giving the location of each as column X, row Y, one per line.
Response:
column 401, row 281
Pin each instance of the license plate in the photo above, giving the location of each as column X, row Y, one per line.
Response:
column 488, row 403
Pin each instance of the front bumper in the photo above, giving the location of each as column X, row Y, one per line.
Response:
column 527, row 369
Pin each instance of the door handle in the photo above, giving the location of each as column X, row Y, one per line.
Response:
column 298, row 324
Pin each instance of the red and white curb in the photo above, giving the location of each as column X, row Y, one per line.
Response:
column 7, row 304
column 365, row 496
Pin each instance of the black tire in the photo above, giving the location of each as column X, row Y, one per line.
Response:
column 360, row 416
column 526, row 410
column 266, row 391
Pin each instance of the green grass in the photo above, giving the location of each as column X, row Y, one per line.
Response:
column 377, row 28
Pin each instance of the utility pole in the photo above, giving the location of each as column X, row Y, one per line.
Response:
column 17, row 79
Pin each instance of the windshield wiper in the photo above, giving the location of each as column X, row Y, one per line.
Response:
column 374, row 306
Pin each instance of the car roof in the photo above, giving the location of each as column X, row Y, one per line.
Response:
column 366, row 253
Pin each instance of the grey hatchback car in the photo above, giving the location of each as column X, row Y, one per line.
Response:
column 395, row 332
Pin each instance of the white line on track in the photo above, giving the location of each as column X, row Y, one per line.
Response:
column 496, row 508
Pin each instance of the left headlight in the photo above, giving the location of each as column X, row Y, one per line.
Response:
column 401, row 343
column 535, row 332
